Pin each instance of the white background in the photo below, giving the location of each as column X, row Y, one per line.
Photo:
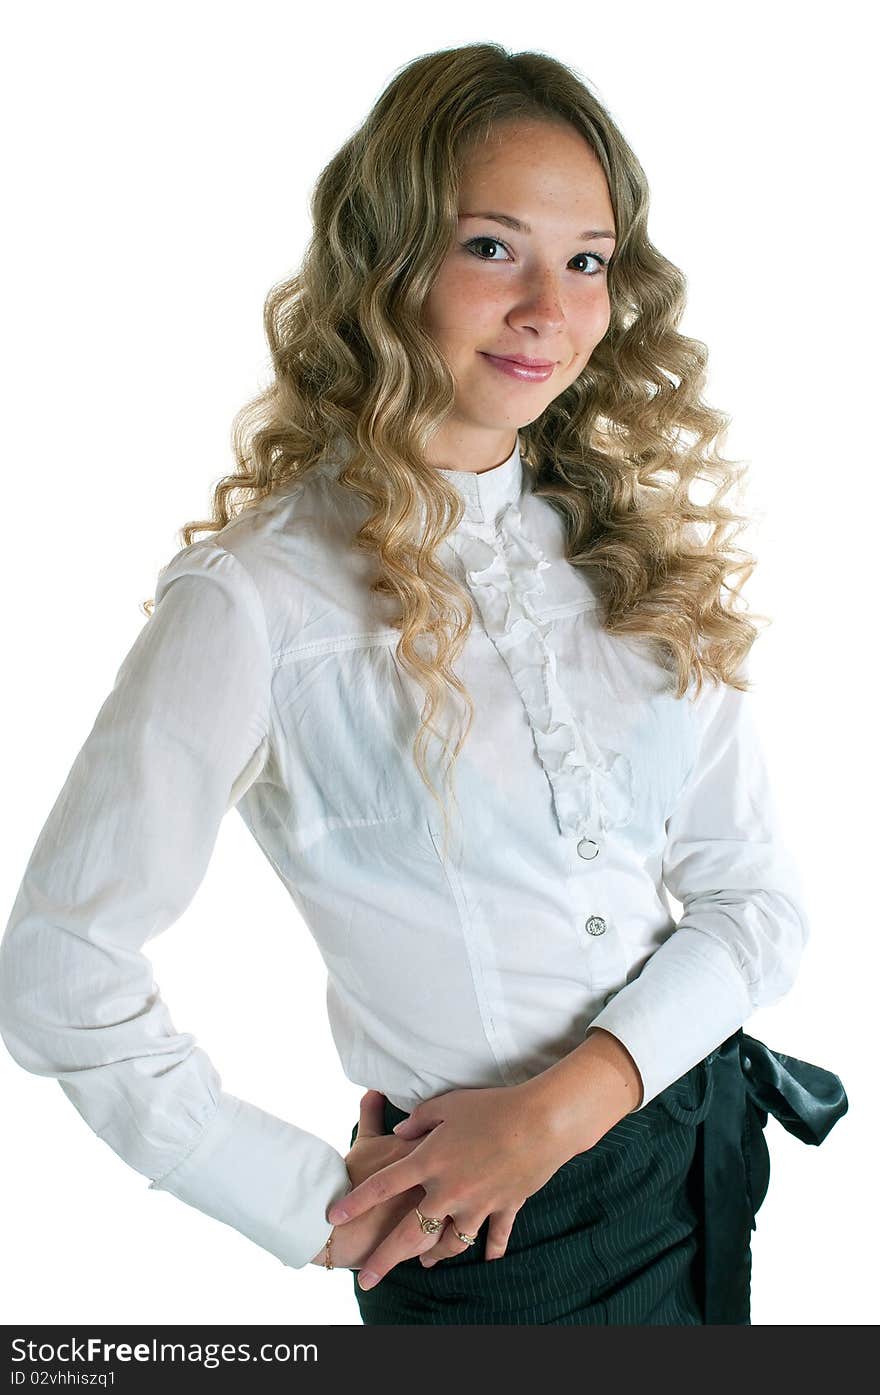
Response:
column 158, row 179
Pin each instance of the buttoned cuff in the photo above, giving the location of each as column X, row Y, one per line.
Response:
column 268, row 1179
column 687, row 1000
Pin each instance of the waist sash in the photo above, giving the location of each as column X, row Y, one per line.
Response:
column 745, row 1082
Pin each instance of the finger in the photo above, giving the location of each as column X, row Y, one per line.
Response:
column 500, row 1226
column 449, row 1244
column 404, row 1242
column 389, row 1181
column 421, row 1121
column 410, row 1128
column 372, row 1115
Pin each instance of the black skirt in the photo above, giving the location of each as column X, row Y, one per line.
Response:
column 651, row 1226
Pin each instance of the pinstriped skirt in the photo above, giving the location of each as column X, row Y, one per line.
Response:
column 613, row 1238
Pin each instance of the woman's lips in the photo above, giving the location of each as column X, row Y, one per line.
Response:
column 519, row 370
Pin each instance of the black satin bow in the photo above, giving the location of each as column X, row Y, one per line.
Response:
column 745, row 1081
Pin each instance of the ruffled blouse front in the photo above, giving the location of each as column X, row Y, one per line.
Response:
column 503, row 566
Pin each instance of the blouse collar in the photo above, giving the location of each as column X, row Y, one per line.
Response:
column 486, row 495
column 489, row 492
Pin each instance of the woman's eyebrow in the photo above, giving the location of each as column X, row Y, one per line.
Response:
column 519, row 226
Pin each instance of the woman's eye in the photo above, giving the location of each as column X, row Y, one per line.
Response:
column 492, row 241
column 496, row 242
column 603, row 261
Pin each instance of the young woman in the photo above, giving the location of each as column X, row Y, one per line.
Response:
column 465, row 658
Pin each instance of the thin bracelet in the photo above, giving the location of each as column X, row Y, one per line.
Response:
column 327, row 1261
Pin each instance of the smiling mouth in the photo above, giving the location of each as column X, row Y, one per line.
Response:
column 525, row 362
column 524, row 373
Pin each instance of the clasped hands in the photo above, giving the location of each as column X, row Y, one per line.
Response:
column 467, row 1154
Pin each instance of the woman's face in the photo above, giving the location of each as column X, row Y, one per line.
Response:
column 540, row 293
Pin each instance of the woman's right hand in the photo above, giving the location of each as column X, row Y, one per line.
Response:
column 373, row 1149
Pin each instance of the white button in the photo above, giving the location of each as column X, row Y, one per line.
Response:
column 596, row 925
column 588, row 848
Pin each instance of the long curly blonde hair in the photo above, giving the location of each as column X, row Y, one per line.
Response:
column 614, row 454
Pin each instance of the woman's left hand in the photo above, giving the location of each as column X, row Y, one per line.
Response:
column 484, row 1152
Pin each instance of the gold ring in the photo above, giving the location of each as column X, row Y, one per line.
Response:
column 430, row 1224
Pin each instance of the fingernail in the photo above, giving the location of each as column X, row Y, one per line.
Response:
column 428, row 1262
column 397, row 1126
column 337, row 1213
column 367, row 1278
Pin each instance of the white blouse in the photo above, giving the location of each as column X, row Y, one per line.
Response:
column 266, row 679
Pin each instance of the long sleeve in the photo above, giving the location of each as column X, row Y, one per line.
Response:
column 181, row 736
column 738, row 944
